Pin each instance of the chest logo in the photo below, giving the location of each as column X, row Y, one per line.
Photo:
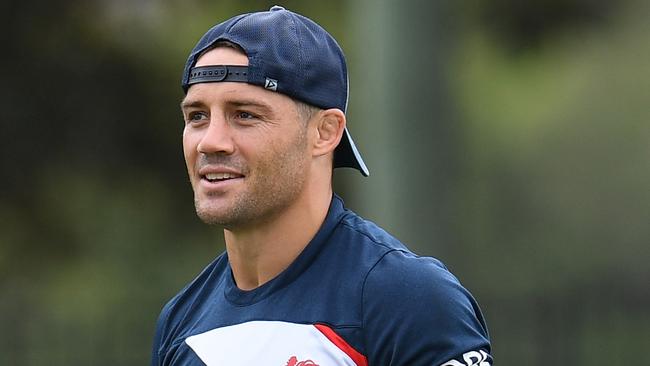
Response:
column 293, row 361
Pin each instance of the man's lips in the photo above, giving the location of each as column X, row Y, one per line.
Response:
column 218, row 174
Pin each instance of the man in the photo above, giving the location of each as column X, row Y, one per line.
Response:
column 303, row 281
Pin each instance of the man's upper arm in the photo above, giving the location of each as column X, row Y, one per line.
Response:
column 416, row 313
column 157, row 339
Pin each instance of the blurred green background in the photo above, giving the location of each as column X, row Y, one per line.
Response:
column 509, row 139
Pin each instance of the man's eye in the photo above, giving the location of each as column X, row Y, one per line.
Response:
column 196, row 117
column 245, row 115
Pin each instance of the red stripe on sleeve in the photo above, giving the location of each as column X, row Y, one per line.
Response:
column 358, row 358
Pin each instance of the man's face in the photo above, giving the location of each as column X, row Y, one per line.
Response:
column 245, row 148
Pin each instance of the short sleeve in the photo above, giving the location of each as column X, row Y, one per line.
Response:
column 415, row 312
column 158, row 337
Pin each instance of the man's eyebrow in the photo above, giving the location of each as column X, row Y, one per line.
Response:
column 191, row 103
column 236, row 103
column 251, row 103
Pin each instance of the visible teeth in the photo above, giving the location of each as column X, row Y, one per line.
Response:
column 216, row 176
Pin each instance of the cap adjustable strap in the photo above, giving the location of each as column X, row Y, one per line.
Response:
column 210, row 74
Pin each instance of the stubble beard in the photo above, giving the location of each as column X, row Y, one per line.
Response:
column 275, row 184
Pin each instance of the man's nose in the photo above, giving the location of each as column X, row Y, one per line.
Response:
column 217, row 138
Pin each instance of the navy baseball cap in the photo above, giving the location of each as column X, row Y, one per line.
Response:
column 287, row 53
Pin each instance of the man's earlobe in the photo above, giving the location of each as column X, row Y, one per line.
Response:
column 330, row 124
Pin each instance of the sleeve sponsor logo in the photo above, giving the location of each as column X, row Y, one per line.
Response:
column 472, row 358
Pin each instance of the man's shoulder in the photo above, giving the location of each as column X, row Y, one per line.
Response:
column 401, row 273
column 367, row 232
column 425, row 294
column 391, row 262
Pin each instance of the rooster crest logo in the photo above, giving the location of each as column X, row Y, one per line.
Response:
column 293, row 361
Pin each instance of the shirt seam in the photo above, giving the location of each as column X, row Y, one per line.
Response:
column 380, row 243
column 363, row 290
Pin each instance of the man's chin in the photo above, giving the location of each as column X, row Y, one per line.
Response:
column 211, row 212
column 212, row 216
column 221, row 215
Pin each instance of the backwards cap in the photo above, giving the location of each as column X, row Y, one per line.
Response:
column 287, row 53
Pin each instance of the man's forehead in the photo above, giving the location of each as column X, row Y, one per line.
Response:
column 222, row 55
column 233, row 94
column 204, row 92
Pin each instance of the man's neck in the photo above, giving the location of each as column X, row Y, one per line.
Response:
column 259, row 253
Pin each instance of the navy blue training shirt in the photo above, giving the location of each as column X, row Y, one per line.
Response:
column 354, row 296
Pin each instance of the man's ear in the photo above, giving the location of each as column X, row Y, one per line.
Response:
column 329, row 125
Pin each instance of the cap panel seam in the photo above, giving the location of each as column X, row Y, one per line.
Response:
column 236, row 22
column 301, row 72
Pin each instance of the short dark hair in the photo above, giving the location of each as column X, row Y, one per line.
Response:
column 306, row 111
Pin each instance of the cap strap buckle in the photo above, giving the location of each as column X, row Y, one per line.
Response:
column 211, row 74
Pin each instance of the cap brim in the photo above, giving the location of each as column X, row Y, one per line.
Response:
column 346, row 155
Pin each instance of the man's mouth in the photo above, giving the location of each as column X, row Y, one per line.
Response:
column 220, row 177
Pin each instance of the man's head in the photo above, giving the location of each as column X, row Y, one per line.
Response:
column 264, row 110
column 287, row 53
